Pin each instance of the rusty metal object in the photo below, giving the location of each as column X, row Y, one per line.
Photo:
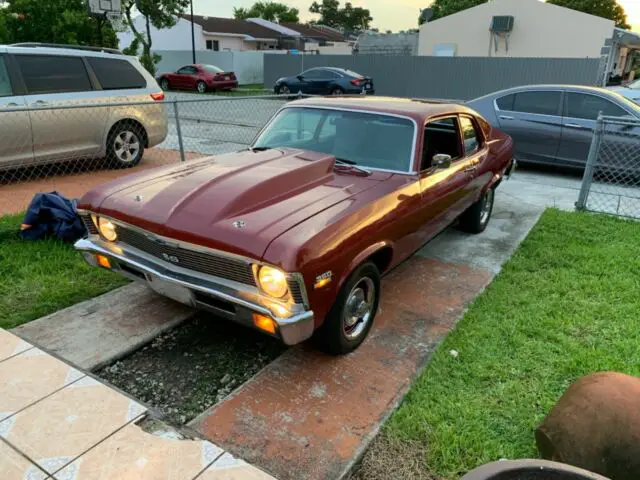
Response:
column 530, row 470
column 596, row 426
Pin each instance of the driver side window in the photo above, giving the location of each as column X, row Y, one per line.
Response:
column 440, row 136
column 186, row 71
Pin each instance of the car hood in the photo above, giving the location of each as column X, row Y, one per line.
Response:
column 237, row 202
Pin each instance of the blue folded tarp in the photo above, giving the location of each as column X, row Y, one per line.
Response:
column 52, row 215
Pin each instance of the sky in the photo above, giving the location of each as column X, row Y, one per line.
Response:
column 387, row 15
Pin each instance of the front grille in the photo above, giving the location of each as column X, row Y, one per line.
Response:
column 296, row 291
column 88, row 223
column 203, row 262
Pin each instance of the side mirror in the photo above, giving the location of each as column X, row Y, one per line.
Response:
column 299, row 77
column 441, row 160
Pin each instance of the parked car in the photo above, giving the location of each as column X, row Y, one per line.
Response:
column 199, row 77
column 553, row 124
column 631, row 91
column 325, row 81
column 292, row 235
column 42, row 88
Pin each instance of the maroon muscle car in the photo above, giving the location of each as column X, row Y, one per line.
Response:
column 292, row 235
column 198, row 77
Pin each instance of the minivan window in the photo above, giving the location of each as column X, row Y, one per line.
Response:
column 53, row 74
column 542, row 103
column 114, row 74
column 581, row 105
column 5, row 82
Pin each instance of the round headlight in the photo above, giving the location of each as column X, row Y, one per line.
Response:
column 107, row 229
column 273, row 281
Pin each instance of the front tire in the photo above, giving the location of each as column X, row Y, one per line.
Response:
column 201, row 87
column 476, row 218
column 125, row 146
column 284, row 90
column 351, row 317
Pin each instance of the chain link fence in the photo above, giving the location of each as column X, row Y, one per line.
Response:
column 611, row 182
column 72, row 147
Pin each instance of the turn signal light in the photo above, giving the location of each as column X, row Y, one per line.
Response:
column 158, row 97
column 103, row 261
column 264, row 323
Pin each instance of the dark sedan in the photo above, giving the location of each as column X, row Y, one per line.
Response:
column 553, row 124
column 325, row 81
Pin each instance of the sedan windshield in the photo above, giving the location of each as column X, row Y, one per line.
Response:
column 371, row 140
column 212, row 69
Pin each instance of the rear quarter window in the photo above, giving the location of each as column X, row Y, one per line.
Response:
column 116, row 74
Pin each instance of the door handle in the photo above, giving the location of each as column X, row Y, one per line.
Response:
column 574, row 125
column 41, row 103
column 506, row 117
column 12, row 104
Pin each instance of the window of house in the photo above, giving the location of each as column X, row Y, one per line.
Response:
column 581, row 105
column 213, row 45
column 116, row 74
column 440, row 136
column 539, row 102
column 469, row 135
column 53, row 74
column 5, row 82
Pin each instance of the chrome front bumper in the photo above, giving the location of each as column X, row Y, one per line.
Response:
column 232, row 300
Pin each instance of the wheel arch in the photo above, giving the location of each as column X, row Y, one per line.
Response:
column 380, row 254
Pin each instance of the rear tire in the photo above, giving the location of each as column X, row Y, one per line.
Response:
column 337, row 91
column 476, row 218
column 125, row 145
column 201, row 87
column 351, row 317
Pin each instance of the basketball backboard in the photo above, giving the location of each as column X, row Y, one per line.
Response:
column 102, row 7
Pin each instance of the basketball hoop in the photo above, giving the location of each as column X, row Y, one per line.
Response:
column 109, row 10
column 116, row 19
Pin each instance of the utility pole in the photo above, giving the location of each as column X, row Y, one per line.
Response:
column 193, row 36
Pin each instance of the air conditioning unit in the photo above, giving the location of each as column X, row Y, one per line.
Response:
column 502, row 24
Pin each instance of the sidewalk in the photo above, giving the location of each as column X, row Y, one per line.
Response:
column 58, row 423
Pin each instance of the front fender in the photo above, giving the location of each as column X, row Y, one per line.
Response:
column 360, row 258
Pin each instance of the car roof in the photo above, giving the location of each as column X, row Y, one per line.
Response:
column 58, row 50
column 418, row 109
column 579, row 88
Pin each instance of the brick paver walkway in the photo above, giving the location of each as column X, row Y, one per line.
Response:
column 56, row 422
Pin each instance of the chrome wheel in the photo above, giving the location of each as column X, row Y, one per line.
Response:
column 486, row 206
column 202, row 87
column 126, row 146
column 283, row 90
column 358, row 309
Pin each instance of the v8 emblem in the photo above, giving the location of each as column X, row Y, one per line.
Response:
column 170, row 258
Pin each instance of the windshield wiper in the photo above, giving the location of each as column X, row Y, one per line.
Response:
column 352, row 164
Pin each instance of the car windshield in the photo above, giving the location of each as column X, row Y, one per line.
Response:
column 212, row 69
column 370, row 140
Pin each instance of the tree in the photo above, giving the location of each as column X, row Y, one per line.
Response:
column 271, row 11
column 349, row 18
column 610, row 9
column 54, row 21
column 160, row 14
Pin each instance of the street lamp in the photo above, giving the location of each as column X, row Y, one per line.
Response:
column 193, row 36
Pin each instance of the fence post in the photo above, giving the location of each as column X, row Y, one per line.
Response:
column 176, row 113
column 594, row 150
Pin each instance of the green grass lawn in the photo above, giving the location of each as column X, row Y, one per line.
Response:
column 566, row 305
column 38, row 278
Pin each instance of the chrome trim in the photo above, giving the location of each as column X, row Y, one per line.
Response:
column 411, row 170
column 293, row 329
column 303, row 289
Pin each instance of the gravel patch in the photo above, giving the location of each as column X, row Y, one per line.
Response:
column 183, row 372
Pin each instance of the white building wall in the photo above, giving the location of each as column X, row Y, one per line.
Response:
column 228, row 43
column 177, row 37
column 540, row 30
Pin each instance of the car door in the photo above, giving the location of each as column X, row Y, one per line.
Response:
column 533, row 119
column 581, row 111
column 445, row 191
column 16, row 146
column 310, row 81
column 67, row 120
column 321, row 80
column 185, row 77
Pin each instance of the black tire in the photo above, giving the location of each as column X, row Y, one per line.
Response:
column 476, row 218
column 164, row 84
column 337, row 91
column 125, row 145
column 283, row 90
column 333, row 335
column 201, row 87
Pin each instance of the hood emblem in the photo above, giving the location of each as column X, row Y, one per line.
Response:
column 138, row 198
column 239, row 224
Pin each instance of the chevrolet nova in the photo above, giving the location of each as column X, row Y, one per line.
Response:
column 292, row 235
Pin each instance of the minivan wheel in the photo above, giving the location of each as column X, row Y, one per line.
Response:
column 476, row 218
column 351, row 316
column 201, row 86
column 125, row 146
column 164, row 84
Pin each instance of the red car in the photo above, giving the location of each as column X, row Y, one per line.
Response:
column 292, row 235
column 198, row 77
